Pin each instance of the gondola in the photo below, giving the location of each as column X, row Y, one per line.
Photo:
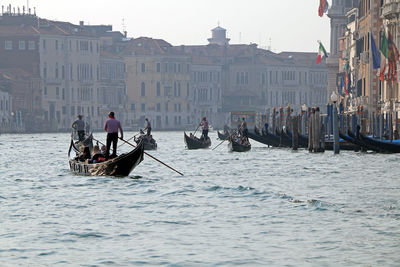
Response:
column 361, row 143
column 236, row 146
column 119, row 166
column 196, row 143
column 266, row 138
column 381, row 145
column 147, row 144
column 222, row 136
column 285, row 140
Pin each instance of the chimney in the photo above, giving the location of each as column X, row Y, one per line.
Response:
column 125, row 34
column 81, row 23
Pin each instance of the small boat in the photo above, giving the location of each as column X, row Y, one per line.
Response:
column 222, row 136
column 148, row 145
column 383, row 146
column 266, row 138
column 195, row 143
column 122, row 165
column 237, row 146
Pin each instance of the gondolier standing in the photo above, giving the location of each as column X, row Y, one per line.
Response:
column 148, row 127
column 243, row 128
column 111, row 127
column 79, row 126
column 204, row 126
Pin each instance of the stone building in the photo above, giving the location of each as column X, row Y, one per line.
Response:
column 5, row 112
column 158, row 84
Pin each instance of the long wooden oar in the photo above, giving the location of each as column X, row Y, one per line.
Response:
column 153, row 157
column 129, row 139
column 220, row 143
column 196, row 129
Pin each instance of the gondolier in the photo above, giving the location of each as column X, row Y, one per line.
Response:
column 243, row 128
column 111, row 127
column 148, row 127
column 204, row 126
column 79, row 126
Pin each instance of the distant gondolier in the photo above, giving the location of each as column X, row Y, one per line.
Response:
column 243, row 128
column 148, row 127
column 204, row 126
column 111, row 127
column 79, row 126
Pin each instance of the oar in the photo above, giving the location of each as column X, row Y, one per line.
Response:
column 153, row 157
column 196, row 130
column 220, row 143
column 129, row 139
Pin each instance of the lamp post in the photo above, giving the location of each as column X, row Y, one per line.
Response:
column 334, row 98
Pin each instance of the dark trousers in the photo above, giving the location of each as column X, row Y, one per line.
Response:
column 148, row 131
column 112, row 137
column 81, row 135
column 205, row 134
column 245, row 133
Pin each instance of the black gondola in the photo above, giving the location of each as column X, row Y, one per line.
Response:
column 266, row 138
column 223, row 136
column 381, row 145
column 192, row 143
column 148, row 145
column 285, row 140
column 235, row 145
column 119, row 166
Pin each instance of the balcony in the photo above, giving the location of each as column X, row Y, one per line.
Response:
column 391, row 9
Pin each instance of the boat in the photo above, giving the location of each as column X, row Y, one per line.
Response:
column 222, row 136
column 285, row 140
column 383, row 146
column 121, row 165
column 147, row 144
column 235, row 145
column 195, row 143
column 265, row 138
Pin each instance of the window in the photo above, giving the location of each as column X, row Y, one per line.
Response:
column 31, row 45
column 45, row 91
column 143, row 89
column 143, row 108
column 63, row 72
column 21, row 45
column 143, row 67
column 44, row 44
column 56, row 71
column 158, row 67
column 57, row 91
column 63, row 94
column 8, row 45
column 166, row 106
column 158, row 89
column 158, row 109
column 133, row 106
column 56, row 44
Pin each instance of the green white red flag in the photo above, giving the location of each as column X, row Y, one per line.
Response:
column 323, row 7
column 321, row 53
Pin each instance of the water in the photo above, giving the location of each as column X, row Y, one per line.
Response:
column 264, row 207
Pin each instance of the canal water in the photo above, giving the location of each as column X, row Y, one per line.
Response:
column 269, row 207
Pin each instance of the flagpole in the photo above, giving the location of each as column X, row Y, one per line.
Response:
column 370, row 65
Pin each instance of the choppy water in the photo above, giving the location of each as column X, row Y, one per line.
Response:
column 265, row 207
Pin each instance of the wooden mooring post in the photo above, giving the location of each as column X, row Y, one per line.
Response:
column 295, row 133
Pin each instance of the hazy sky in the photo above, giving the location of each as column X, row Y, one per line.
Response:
column 292, row 25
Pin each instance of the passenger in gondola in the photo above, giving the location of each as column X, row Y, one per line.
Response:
column 84, row 154
column 226, row 129
column 151, row 140
column 204, row 126
column 79, row 126
column 97, row 155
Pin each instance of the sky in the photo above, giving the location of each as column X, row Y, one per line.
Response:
column 284, row 25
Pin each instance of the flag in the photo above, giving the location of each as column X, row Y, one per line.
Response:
column 393, row 57
column 376, row 56
column 382, row 72
column 384, row 44
column 341, row 85
column 321, row 53
column 346, row 82
column 323, row 7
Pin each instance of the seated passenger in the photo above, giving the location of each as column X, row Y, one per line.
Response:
column 85, row 154
column 97, row 155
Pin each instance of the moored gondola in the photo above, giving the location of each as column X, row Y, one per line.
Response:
column 266, row 138
column 122, row 165
column 196, row 143
column 386, row 147
column 236, row 144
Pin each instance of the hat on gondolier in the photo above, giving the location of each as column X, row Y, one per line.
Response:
column 111, row 113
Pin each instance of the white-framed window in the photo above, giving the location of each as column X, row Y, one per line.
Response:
column 21, row 45
column 8, row 45
column 31, row 45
